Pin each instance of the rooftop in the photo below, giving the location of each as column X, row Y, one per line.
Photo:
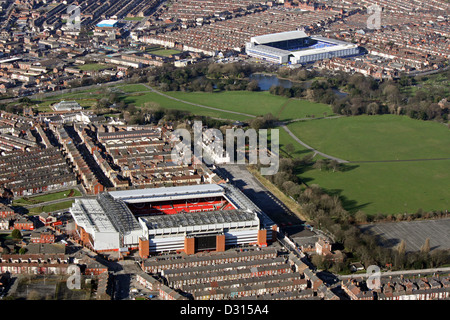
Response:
column 168, row 193
column 107, row 23
column 199, row 218
column 277, row 37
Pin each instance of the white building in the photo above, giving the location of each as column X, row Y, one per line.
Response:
column 296, row 47
column 107, row 223
column 67, row 106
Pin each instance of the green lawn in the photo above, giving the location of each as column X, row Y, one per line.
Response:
column 141, row 99
column 82, row 94
column 386, row 137
column 253, row 103
column 133, row 18
column 93, row 66
column 381, row 187
column 163, row 52
column 388, row 188
column 47, row 197
column 285, row 139
column 51, row 207
column 296, row 109
column 130, row 88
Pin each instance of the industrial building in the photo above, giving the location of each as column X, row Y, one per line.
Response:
column 208, row 217
column 296, row 47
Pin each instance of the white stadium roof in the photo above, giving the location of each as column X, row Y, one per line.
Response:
column 168, row 193
column 88, row 214
column 275, row 37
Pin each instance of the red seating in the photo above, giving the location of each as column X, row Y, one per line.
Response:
column 183, row 206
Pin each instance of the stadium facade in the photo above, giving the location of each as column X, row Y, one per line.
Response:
column 209, row 217
column 296, row 47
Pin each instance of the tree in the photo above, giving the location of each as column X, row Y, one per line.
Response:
column 257, row 123
column 209, row 88
column 288, row 186
column 16, row 234
column 290, row 148
column 334, row 165
column 373, row 108
column 319, row 164
column 426, row 246
column 401, row 249
column 307, row 160
column 253, row 86
column 320, row 262
column 361, row 217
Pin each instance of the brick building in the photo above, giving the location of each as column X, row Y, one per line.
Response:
column 23, row 224
column 42, row 237
column 5, row 211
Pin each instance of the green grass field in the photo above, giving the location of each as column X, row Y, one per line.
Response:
column 133, row 18
column 285, row 139
column 256, row 103
column 380, row 187
column 130, row 88
column 247, row 102
column 93, row 66
column 51, row 207
column 253, row 103
column 365, row 138
column 388, row 188
column 166, row 103
column 163, row 52
column 297, row 109
column 47, row 197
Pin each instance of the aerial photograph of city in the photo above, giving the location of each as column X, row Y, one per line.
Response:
column 241, row 151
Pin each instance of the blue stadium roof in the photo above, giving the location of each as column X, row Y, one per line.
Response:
column 107, row 23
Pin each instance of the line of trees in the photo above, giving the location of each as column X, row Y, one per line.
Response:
column 204, row 76
column 356, row 94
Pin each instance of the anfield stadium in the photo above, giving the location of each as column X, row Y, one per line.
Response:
column 296, row 47
column 209, row 217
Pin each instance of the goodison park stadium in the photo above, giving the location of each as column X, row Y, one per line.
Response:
column 296, row 47
column 209, row 217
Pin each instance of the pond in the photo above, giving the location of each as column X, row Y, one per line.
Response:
column 265, row 81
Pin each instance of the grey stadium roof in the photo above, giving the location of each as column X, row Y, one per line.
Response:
column 198, row 218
